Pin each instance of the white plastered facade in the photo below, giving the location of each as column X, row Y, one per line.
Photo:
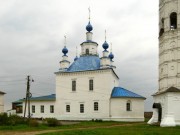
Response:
column 169, row 66
column 109, row 108
column 104, row 81
column 119, row 111
column 37, row 112
column 1, row 102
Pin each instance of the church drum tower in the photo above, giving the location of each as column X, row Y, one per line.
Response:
column 166, row 107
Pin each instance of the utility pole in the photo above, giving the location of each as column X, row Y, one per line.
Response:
column 28, row 96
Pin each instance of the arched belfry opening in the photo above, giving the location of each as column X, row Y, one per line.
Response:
column 173, row 20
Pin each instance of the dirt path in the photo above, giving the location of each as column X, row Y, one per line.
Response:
column 60, row 130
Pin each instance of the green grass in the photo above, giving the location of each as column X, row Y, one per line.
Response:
column 123, row 129
column 135, row 129
column 23, row 128
column 83, row 124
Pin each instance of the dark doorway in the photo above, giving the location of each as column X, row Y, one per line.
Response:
column 158, row 106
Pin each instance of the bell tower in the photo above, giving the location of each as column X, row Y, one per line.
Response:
column 169, row 44
column 167, row 100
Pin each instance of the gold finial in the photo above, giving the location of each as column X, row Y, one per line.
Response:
column 89, row 13
column 64, row 40
column 105, row 35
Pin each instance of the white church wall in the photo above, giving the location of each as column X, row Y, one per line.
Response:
column 163, row 100
column 173, row 108
column 1, row 103
column 91, row 46
column 170, row 112
column 104, row 81
column 38, row 113
column 119, row 111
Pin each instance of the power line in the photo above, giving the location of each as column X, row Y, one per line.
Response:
column 10, row 84
column 12, row 81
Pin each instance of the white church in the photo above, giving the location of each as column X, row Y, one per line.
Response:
column 2, row 101
column 86, row 89
column 166, row 107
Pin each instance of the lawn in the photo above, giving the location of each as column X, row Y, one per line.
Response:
column 135, row 129
column 94, row 128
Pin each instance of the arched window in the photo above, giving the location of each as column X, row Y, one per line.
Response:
column 87, row 51
column 173, row 20
column 128, row 106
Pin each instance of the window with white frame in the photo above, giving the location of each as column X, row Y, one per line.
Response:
column 73, row 85
column 51, row 108
column 128, row 106
column 33, row 109
column 91, row 84
column 42, row 108
column 68, row 108
column 96, row 106
column 81, row 108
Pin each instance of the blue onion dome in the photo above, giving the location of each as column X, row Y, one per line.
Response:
column 65, row 50
column 111, row 56
column 105, row 45
column 75, row 58
column 89, row 27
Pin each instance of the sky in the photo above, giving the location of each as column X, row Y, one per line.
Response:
column 32, row 37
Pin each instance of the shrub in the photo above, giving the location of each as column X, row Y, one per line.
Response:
column 3, row 119
column 52, row 122
column 33, row 123
column 98, row 120
column 15, row 120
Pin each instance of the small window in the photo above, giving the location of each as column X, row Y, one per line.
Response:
column 162, row 27
column 42, row 108
column 173, row 21
column 33, row 108
column 51, row 108
column 73, row 85
column 19, row 109
column 91, row 84
column 67, row 108
column 87, row 51
column 128, row 106
column 81, row 108
column 96, row 108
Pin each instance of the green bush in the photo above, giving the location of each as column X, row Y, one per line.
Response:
column 52, row 122
column 33, row 123
column 11, row 120
column 98, row 120
column 15, row 120
column 3, row 119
